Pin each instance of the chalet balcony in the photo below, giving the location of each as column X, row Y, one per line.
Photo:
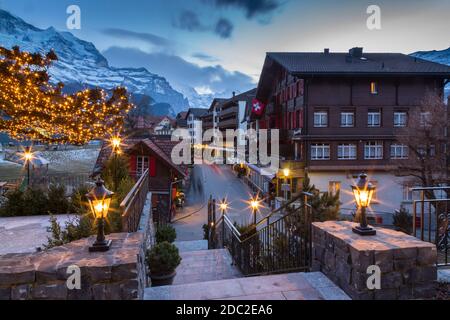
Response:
column 228, row 123
column 228, row 112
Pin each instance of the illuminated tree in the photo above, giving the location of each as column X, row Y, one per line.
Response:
column 33, row 109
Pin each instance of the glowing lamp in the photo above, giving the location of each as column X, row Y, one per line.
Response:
column 116, row 142
column 223, row 206
column 99, row 201
column 286, row 172
column 363, row 192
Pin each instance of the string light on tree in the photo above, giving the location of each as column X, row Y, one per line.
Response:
column 33, row 109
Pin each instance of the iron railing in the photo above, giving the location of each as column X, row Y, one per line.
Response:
column 431, row 217
column 133, row 204
column 273, row 245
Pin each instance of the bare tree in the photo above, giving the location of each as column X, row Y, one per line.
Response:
column 426, row 138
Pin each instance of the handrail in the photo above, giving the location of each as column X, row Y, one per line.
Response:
column 429, row 188
column 286, row 205
column 133, row 191
column 272, row 223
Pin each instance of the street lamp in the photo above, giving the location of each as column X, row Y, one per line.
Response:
column 363, row 192
column 28, row 157
column 223, row 206
column 116, row 142
column 254, row 203
column 99, row 200
column 286, row 173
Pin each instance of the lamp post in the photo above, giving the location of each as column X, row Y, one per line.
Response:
column 28, row 157
column 363, row 192
column 286, row 173
column 116, row 142
column 99, row 200
column 255, row 205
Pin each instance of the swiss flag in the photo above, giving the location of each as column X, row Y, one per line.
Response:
column 258, row 107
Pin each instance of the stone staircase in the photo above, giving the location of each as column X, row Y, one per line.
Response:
column 209, row 274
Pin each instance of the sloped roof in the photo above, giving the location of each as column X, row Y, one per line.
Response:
column 369, row 63
column 197, row 112
column 161, row 146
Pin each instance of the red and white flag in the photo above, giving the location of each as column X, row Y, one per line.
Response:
column 258, row 107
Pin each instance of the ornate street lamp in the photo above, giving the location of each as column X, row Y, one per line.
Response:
column 99, row 200
column 363, row 192
column 116, row 142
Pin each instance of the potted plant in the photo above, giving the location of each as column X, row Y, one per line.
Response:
column 165, row 233
column 162, row 260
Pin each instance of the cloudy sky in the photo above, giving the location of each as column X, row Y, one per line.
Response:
column 220, row 45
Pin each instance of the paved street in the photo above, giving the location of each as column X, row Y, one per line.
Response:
column 220, row 182
column 25, row 234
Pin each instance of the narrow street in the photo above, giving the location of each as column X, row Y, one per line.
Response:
column 220, row 182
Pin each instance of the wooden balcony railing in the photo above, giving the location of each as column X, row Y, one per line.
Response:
column 133, row 204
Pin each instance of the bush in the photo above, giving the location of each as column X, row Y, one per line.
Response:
column 78, row 200
column 163, row 259
column 57, row 200
column 75, row 229
column 166, row 233
column 14, row 205
column 403, row 221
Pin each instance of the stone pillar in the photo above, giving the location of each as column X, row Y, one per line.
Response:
column 407, row 265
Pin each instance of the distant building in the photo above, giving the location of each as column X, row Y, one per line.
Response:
column 152, row 153
column 338, row 114
column 157, row 125
column 181, row 121
column 194, row 124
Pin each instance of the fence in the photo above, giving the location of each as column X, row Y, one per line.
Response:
column 273, row 245
column 431, row 216
column 133, row 204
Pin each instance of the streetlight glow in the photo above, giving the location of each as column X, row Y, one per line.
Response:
column 363, row 192
column 286, row 172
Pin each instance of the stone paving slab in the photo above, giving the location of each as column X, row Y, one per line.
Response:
column 293, row 286
column 205, row 265
column 195, row 245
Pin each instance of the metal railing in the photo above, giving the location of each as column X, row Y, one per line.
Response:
column 431, row 217
column 273, row 245
column 133, row 204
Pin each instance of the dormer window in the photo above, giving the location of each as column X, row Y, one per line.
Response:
column 374, row 87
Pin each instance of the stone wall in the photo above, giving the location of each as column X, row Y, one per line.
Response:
column 407, row 265
column 118, row 274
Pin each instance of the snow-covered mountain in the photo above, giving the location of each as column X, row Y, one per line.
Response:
column 439, row 56
column 81, row 65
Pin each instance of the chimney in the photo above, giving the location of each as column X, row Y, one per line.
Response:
column 326, row 51
column 234, row 94
column 356, row 52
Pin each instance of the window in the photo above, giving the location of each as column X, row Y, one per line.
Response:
column 347, row 152
column 427, row 151
column 142, row 164
column 334, row 187
column 425, row 118
column 374, row 118
column 374, row 87
column 347, row 119
column 320, row 152
column 407, row 193
column 321, row 119
column 400, row 119
column 399, row 151
column 373, row 151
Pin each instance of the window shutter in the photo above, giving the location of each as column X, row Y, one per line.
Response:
column 133, row 164
column 152, row 169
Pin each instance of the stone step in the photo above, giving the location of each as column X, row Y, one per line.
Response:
column 195, row 245
column 293, row 286
column 205, row 265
